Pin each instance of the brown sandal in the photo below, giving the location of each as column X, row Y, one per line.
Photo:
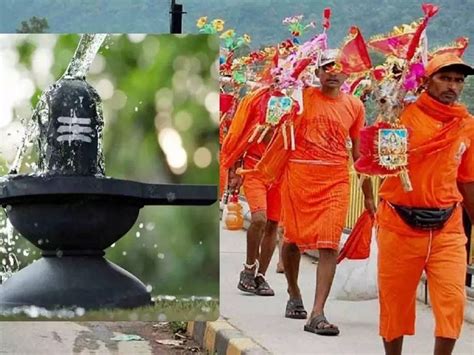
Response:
column 295, row 309
column 247, row 281
column 263, row 288
column 320, row 325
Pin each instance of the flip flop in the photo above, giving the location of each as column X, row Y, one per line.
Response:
column 320, row 325
column 295, row 309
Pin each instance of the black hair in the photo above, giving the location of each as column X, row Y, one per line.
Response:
column 458, row 68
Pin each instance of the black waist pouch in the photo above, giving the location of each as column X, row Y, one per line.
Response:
column 424, row 218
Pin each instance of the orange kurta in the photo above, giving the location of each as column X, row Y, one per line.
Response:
column 441, row 154
column 260, row 195
column 249, row 112
column 315, row 178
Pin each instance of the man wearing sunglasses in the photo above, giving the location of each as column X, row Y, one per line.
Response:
column 315, row 186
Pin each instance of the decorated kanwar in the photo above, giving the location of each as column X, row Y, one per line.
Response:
column 395, row 188
column 421, row 145
column 262, row 116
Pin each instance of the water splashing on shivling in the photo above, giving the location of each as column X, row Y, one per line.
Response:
column 78, row 68
column 86, row 51
column 40, row 120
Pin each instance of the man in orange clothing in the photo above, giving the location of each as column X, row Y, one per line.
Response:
column 422, row 230
column 241, row 150
column 315, row 186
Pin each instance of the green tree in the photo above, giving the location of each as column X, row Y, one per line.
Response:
column 34, row 25
column 174, row 249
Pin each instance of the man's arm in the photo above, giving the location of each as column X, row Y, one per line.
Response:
column 234, row 180
column 367, row 190
column 467, row 191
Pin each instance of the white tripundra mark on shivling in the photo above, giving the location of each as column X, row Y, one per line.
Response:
column 74, row 129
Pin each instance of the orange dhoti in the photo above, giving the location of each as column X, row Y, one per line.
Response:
column 402, row 259
column 261, row 196
column 315, row 199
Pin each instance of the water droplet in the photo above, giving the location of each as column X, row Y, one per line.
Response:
column 150, row 226
column 149, row 288
column 59, row 253
column 40, row 242
column 26, row 252
column 113, row 245
column 18, row 251
column 8, row 208
column 124, row 253
column 140, row 225
column 155, row 246
column 137, row 234
column 161, row 256
column 80, row 311
column 200, row 242
column 136, row 109
column 170, row 196
column 32, row 312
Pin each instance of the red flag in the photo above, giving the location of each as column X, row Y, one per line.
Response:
column 430, row 10
column 396, row 45
column 300, row 66
column 354, row 57
column 326, row 18
column 275, row 58
column 457, row 48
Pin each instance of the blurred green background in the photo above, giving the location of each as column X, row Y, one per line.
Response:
column 160, row 97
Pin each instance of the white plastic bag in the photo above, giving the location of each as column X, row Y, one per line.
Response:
column 356, row 280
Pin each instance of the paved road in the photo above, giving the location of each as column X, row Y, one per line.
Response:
column 61, row 338
column 262, row 318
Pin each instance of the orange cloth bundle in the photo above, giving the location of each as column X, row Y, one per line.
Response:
column 357, row 246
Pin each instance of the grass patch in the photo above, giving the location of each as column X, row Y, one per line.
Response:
column 166, row 309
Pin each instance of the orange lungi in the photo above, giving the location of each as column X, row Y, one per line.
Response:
column 315, row 199
column 260, row 195
column 315, row 184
